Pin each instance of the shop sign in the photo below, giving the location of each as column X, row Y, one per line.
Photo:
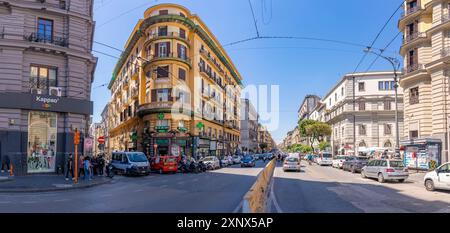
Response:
column 162, row 142
column 47, row 102
column 162, row 129
column 181, row 142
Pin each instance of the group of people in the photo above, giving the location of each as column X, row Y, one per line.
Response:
column 88, row 166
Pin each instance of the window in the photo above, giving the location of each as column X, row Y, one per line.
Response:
column 362, row 105
column 163, row 49
column 162, row 31
column 42, row 142
column 335, row 96
column 162, row 72
column 387, row 129
column 380, row 86
column 163, row 12
column 387, row 105
column 361, row 86
column 413, row 134
column 342, row 91
column 414, row 95
column 45, row 30
column 182, row 74
column 182, row 33
column 181, row 51
column 42, row 77
column 362, row 130
column 162, row 95
column 412, row 5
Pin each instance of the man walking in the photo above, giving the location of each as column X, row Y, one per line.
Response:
column 5, row 163
column 69, row 167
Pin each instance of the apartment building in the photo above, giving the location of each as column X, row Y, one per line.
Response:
column 174, row 90
column 426, row 52
column 46, row 70
column 361, row 111
column 105, row 126
column 249, row 126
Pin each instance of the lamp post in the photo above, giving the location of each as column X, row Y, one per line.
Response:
column 395, row 65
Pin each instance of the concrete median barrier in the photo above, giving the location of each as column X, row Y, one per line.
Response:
column 255, row 200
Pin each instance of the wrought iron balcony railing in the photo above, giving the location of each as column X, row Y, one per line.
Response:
column 39, row 38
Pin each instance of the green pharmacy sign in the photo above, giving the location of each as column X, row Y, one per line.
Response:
column 200, row 125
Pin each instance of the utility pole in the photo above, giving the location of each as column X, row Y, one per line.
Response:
column 354, row 116
column 76, row 141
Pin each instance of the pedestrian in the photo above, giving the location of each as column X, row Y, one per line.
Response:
column 81, row 166
column 6, row 163
column 101, row 164
column 86, row 165
column 69, row 167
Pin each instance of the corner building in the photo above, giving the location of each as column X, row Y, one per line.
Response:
column 174, row 90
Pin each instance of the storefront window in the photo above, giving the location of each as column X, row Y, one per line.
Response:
column 42, row 132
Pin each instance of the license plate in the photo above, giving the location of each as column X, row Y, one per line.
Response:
column 170, row 168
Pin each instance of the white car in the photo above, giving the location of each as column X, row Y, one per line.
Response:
column 292, row 163
column 211, row 161
column 438, row 179
column 236, row 159
column 325, row 159
column 338, row 161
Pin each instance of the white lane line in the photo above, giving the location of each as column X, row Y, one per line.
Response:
column 29, row 202
column 5, row 202
column 61, row 200
column 274, row 198
column 106, row 195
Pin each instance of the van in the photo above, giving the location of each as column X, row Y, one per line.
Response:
column 325, row 159
column 130, row 163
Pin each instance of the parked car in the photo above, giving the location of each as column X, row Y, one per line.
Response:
column 325, row 158
column 438, row 179
column 385, row 169
column 236, row 159
column 165, row 164
column 225, row 162
column 292, row 163
column 338, row 161
column 130, row 163
column 248, row 161
column 211, row 162
column 354, row 163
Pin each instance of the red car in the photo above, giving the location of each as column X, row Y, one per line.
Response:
column 165, row 164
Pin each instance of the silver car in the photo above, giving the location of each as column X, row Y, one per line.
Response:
column 385, row 169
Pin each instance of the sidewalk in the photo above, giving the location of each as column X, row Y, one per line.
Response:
column 45, row 183
column 416, row 177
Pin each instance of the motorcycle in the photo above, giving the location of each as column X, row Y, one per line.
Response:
column 202, row 166
column 183, row 167
column 193, row 167
column 110, row 170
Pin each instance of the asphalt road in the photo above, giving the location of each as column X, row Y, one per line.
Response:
column 212, row 192
column 328, row 190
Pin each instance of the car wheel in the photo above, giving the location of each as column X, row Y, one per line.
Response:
column 363, row 174
column 401, row 180
column 381, row 178
column 429, row 185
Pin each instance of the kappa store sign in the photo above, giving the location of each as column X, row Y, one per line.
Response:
column 45, row 102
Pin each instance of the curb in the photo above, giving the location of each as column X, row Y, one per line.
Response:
column 6, row 179
column 39, row 190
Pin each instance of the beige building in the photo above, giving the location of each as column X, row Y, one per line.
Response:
column 175, row 90
column 426, row 51
column 46, row 72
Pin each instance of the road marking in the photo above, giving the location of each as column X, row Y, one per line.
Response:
column 61, row 200
column 106, row 195
column 180, row 183
column 274, row 199
column 238, row 207
column 5, row 202
column 164, row 186
column 137, row 190
column 29, row 202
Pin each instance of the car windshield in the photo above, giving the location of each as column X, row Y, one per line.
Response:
column 326, row 155
column 292, row 159
column 170, row 160
column 235, row 157
column 137, row 157
column 396, row 164
column 248, row 158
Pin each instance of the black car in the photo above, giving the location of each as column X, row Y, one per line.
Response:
column 354, row 164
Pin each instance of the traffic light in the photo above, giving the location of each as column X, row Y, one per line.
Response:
column 76, row 137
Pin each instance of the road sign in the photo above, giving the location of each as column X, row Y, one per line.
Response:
column 101, row 140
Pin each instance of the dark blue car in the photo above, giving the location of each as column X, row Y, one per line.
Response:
column 248, row 161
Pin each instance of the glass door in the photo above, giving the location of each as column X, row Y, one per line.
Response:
column 42, row 134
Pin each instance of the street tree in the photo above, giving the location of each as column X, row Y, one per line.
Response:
column 317, row 132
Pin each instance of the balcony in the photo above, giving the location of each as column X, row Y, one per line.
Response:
column 168, row 35
column 171, row 56
column 445, row 52
column 413, row 36
column 414, row 67
column 35, row 37
column 410, row 11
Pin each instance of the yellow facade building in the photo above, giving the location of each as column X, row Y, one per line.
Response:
column 426, row 52
column 175, row 90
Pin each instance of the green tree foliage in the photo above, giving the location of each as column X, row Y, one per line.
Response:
column 324, row 145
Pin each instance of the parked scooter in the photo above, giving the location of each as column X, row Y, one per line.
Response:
column 109, row 170
column 202, row 166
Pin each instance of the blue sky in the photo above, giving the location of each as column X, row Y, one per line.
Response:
column 299, row 67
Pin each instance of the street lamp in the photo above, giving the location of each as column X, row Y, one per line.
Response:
column 396, row 65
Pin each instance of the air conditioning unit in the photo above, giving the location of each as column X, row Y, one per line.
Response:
column 55, row 91
column 36, row 91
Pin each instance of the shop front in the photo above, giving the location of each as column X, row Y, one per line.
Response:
column 204, row 146
column 422, row 154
